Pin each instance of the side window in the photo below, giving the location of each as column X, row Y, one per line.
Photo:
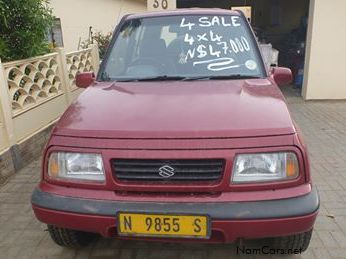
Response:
column 168, row 36
column 136, row 44
column 116, row 64
column 119, row 60
column 55, row 34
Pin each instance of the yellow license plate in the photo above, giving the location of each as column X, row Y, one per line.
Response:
column 161, row 225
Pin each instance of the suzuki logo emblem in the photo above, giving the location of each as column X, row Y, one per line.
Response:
column 166, row 171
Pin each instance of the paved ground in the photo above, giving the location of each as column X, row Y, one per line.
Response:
column 324, row 126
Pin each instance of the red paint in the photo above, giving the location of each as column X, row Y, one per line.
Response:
column 180, row 120
column 223, row 185
column 222, row 230
column 282, row 75
column 84, row 80
column 197, row 109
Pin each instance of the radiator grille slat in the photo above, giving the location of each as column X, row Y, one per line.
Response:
column 175, row 170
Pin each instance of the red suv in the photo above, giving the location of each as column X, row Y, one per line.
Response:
column 182, row 136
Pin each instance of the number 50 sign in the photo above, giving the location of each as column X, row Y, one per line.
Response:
column 159, row 5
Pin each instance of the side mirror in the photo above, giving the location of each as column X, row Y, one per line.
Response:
column 85, row 79
column 281, row 75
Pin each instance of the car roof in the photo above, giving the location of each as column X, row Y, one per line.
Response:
column 186, row 11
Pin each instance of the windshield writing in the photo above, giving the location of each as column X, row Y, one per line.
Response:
column 185, row 47
column 212, row 49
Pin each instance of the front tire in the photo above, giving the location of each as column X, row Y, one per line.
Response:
column 70, row 238
column 298, row 241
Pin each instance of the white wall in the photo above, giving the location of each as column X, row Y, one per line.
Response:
column 77, row 15
column 326, row 53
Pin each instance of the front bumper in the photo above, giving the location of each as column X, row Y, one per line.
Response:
column 230, row 220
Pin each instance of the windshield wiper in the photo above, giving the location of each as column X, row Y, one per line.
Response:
column 155, row 78
column 183, row 78
column 238, row 76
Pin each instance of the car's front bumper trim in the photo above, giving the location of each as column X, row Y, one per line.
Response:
column 281, row 208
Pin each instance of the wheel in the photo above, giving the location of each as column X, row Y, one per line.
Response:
column 299, row 241
column 70, row 238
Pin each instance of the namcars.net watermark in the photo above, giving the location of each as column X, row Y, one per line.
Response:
column 266, row 250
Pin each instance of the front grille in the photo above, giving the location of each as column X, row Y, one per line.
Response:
column 168, row 170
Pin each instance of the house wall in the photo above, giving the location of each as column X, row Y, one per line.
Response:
column 103, row 15
column 325, row 60
column 326, row 56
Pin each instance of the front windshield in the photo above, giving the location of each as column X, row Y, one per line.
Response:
column 185, row 47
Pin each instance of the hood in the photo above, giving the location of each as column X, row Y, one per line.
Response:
column 191, row 109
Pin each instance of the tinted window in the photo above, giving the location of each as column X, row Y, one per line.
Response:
column 188, row 46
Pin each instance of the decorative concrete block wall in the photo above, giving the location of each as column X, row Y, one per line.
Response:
column 33, row 94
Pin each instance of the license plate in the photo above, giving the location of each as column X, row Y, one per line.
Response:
column 161, row 225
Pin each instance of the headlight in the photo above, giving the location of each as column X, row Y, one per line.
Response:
column 265, row 167
column 76, row 166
